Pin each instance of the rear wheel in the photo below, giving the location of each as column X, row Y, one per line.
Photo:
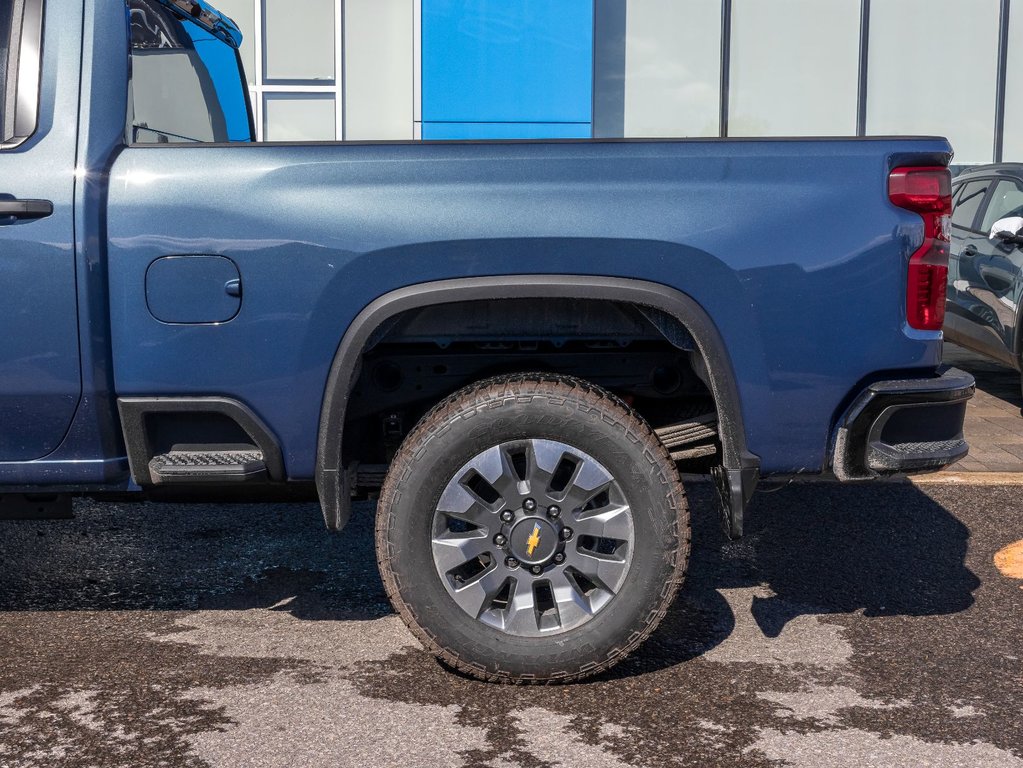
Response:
column 532, row 528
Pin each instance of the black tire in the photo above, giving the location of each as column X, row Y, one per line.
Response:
column 523, row 407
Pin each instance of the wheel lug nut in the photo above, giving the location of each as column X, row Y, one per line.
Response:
column 566, row 534
column 529, row 505
column 500, row 540
column 507, row 515
column 554, row 511
column 537, row 570
column 511, row 562
column 559, row 558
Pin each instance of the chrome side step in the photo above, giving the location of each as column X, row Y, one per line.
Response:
column 208, row 466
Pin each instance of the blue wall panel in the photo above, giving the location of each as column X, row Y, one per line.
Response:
column 506, row 131
column 507, row 61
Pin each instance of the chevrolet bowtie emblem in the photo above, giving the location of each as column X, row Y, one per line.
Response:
column 533, row 541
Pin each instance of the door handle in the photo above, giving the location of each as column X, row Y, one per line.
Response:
column 998, row 280
column 25, row 209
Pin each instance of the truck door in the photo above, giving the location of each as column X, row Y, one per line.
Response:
column 40, row 381
column 996, row 265
column 966, row 236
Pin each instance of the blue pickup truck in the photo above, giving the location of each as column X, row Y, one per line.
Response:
column 514, row 346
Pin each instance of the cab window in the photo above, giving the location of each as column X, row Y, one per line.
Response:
column 8, row 14
column 20, row 55
column 186, row 85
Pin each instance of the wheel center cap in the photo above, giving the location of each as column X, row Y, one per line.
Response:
column 533, row 540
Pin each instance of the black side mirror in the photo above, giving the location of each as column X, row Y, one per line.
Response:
column 1008, row 238
column 1008, row 231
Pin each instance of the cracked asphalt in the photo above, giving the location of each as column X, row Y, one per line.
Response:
column 852, row 626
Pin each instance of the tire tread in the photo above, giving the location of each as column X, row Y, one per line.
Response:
column 493, row 393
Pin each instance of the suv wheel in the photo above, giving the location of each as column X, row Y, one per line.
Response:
column 532, row 528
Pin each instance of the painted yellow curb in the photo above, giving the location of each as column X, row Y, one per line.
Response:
column 969, row 478
column 936, row 478
column 1009, row 561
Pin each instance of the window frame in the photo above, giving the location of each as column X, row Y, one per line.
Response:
column 27, row 91
column 130, row 130
column 981, row 207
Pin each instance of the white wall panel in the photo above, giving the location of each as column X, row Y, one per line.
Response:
column 299, row 39
column 794, row 67
column 378, row 76
column 291, row 117
column 932, row 70
column 672, row 68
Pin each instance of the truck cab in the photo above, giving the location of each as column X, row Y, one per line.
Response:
column 184, row 84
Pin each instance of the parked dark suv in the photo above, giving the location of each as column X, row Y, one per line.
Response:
column 985, row 275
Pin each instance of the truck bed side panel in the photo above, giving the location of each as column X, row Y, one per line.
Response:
column 790, row 246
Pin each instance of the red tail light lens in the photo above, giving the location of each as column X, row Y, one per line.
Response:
column 928, row 192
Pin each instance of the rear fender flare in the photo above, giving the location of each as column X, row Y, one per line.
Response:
column 332, row 482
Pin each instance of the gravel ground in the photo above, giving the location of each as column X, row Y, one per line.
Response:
column 853, row 626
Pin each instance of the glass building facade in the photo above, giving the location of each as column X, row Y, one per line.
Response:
column 451, row 69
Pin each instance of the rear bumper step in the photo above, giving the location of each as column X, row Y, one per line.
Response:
column 189, row 467
column 904, row 426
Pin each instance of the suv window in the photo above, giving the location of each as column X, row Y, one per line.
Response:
column 186, row 85
column 1007, row 200
column 970, row 198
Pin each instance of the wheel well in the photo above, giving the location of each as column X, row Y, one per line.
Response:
column 425, row 354
column 650, row 343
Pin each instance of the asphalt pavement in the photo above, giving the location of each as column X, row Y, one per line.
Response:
column 852, row 626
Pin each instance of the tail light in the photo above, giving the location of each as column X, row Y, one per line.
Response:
column 928, row 192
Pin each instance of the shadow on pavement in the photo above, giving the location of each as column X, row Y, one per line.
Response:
column 181, row 557
column 814, row 549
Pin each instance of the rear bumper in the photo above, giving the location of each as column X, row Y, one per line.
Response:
column 904, row 426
